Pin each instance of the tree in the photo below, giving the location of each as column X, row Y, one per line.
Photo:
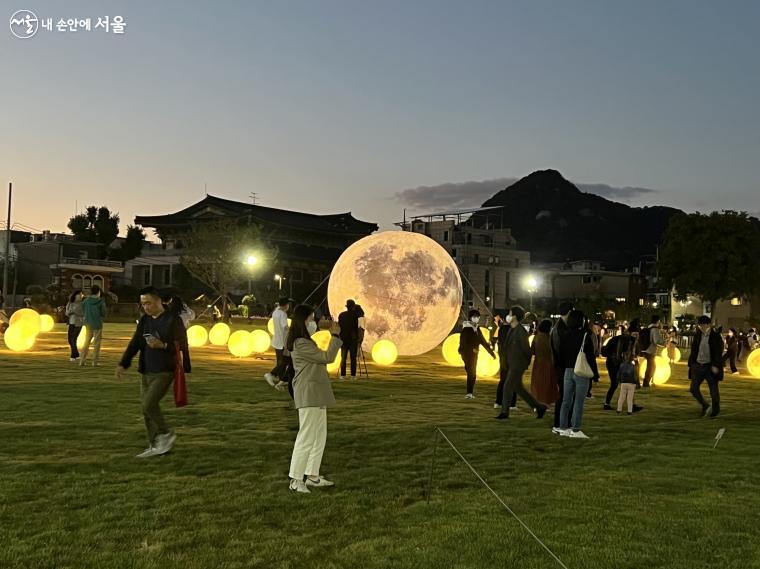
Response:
column 132, row 245
column 97, row 225
column 216, row 253
column 711, row 255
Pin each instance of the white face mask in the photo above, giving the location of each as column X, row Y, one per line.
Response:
column 508, row 319
column 475, row 319
column 311, row 327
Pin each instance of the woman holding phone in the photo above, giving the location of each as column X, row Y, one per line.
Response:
column 313, row 395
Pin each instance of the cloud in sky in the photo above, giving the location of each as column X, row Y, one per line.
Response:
column 463, row 195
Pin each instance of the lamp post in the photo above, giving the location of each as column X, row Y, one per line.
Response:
column 250, row 261
column 278, row 278
column 531, row 285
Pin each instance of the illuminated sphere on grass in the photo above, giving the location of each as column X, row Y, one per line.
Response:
column 661, row 372
column 384, row 352
column 46, row 323
column 197, row 336
column 261, row 341
column 753, row 363
column 322, row 339
column 407, row 284
column 270, row 325
column 487, row 366
column 240, row 344
column 219, row 334
column 29, row 317
column 450, row 350
column 676, row 356
column 82, row 337
column 19, row 338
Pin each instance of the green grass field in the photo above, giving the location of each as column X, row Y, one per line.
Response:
column 647, row 491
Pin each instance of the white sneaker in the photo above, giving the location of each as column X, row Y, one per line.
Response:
column 73, row 359
column 319, row 482
column 513, row 408
column 556, row 431
column 353, row 378
column 469, row 396
column 497, row 405
column 565, row 432
column 299, row 486
column 269, row 378
column 150, row 451
column 165, row 442
column 342, row 378
column 578, row 435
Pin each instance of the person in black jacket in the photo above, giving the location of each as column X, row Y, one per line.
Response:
column 470, row 340
column 160, row 338
column 706, row 364
column 571, row 343
column 558, row 331
column 349, row 334
column 515, row 355
column 732, row 350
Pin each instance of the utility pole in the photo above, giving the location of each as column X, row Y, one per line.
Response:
column 7, row 259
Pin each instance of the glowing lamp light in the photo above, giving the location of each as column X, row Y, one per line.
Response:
column 82, row 337
column 240, row 344
column 30, row 317
column 197, row 336
column 487, row 366
column 753, row 363
column 486, row 333
column 261, row 341
column 531, row 338
column 661, row 372
column 18, row 338
column 450, row 351
column 322, row 339
column 384, row 352
column 46, row 323
column 219, row 334
column 676, row 356
column 270, row 326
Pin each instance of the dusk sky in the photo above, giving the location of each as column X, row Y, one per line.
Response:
column 371, row 107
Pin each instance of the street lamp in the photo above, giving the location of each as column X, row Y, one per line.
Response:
column 278, row 278
column 531, row 285
column 250, row 261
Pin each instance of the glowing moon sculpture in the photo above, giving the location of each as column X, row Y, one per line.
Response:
column 322, row 339
column 197, row 336
column 261, row 341
column 30, row 317
column 19, row 337
column 240, row 344
column 219, row 334
column 46, row 323
column 82, row 337
column 407, row 284
column 384, row 352
column 661, row 371
column 676, row 356
column 270, row 326
column 753, row 363
column 487, row 366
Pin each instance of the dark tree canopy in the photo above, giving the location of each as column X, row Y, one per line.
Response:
column 132, row 245
column 712, row 255
column 97, row 225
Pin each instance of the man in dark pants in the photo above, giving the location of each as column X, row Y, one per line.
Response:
column 515, row 354
column 349, row 334
column 470, row 340
column 558, row 331
column 706, row 364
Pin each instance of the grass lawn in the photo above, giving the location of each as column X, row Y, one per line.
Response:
column 647, row 491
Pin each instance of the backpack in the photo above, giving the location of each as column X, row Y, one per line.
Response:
column 645, row 339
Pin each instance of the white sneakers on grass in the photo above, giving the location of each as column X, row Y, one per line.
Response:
column 148, row 452
column 571, row 433
column 302, row 486
column 319, row 482
column 269, row 378
column 299, row 486
column 164, row 444
column 469, row 396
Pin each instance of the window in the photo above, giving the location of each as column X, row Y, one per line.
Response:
column 517, row 262
column 454, row 253
column 445, row 236
column 76, row 282
column 475, row 258
column 488, row 283
column 169, row 245
column 82, row 254
column 98, row 280
column 587, row 279
column 146, row 276
column 87, row 283
column 736, row 301
column 167, row 275
column 506, row 288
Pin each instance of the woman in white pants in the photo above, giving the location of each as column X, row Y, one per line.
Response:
column 313, row 395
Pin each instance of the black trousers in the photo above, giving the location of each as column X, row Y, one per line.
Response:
column 470, row 365
column 514, row 387
column 558, row 404
column 702, row 372
column 730, row 357
column 500, row 388
column 350, row 348
column 613, row 366
column 72, row 338
column 649, row 372
column 281, row 365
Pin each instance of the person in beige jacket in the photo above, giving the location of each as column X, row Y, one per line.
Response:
column 313, row 395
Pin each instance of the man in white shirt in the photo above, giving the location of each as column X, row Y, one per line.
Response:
column 280, row 321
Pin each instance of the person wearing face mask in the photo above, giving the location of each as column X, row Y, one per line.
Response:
column 706, row 364
column 732, row 350
column 470, row 340
column 515, row 354
column 313, row 395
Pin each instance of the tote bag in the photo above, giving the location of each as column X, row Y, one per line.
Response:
column 582, row 367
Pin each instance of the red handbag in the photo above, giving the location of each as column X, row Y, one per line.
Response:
column 180, row 387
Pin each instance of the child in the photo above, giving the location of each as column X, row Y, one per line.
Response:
column 627, row 374
column 672, row 346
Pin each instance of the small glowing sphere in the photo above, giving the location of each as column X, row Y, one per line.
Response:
column 261, row 341
column 384, row 352
column 197, row 336
column 46, row 323
column 30, row 317
column 18, row 338
column 487, row 366
column 450, row 351
column 676, row 356
column 219, row 334
column 486, row 333
column 82, row 337
column 753, row 362
column 661, row 372
column 270, row 326
column 322, row 339
column 240, row 344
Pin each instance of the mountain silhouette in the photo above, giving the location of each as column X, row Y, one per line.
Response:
column 556, row 222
